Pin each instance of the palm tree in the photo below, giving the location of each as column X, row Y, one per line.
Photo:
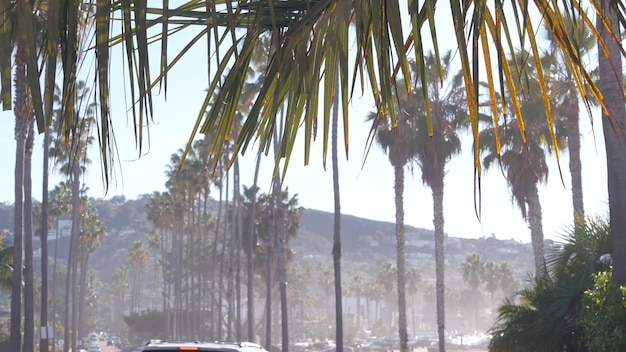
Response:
column 413, row 281
column 119, row 287
column 357, row 284
column 399, row 143
column 71, row 154
column 29, row 284
column 508, row 282
column 491, row 277
column 387, row 279
column 438, row 93
column 44, row 343
column 91, row 234
column 337, row 214
column 523, row 154
column 22, row 124
column 138, row 257
column 472, row 272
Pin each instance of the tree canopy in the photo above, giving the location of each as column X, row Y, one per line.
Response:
column 370, row 41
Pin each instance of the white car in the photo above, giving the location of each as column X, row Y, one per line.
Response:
column 94, row 349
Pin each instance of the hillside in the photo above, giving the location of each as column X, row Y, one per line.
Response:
column 366, row 244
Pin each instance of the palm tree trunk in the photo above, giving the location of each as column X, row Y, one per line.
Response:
column 238, row 235
column 20, row 110
column 575, row 165
column 337, row 222
column 43, row 343
column 268, row 293
column 282, row 261
column 400, row 260
column 438, row 223
column 222, row 256
column 29, row 284
column 176, row 245
column 82, row 326
column 250, row 250
column 214, row 304
column 536, row 232
column 75, row 247
column 614, row 127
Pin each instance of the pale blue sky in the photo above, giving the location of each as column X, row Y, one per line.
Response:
column 365, row 192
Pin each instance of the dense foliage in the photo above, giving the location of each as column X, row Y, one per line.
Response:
column 549, row 314
column 604, row 314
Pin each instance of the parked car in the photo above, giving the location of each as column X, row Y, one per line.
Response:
column 165, row 346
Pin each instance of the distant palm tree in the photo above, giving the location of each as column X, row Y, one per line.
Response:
column 119, row 288
column 138, row 257
column 413, row 284
column 491, row 277
column 523, row 154
column 472, row 269
column 508, row 282
column 438, row 90
column 472, row 272
column 91, row 234
column 357, row 284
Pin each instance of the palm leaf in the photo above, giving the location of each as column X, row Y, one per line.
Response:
column 314, row 32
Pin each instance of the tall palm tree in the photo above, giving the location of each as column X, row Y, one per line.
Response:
column 138, row 256
column 523, row 154
column 71, row 155
column 161, row 214
column 399, row 143
column 91, row 234
column 44, row 341
column 337, row 214
column 29, row 284
column 22, row 124
column 439, row 93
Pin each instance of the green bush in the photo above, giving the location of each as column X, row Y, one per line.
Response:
column 604, row 314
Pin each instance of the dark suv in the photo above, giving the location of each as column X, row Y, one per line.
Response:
column 177, row 346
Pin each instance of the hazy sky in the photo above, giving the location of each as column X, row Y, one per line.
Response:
column 366, row 190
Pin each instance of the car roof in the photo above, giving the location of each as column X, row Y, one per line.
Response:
column 163, row 346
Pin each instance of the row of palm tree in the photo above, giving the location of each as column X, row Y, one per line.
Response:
column 189, row 228
column 522, row 156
